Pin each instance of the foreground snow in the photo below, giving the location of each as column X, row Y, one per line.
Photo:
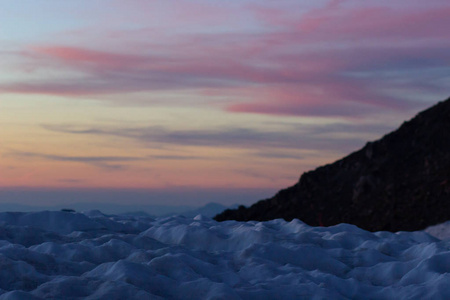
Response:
column 63, row 255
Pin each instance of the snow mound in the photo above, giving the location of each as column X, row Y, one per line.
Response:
column 441, row 231
column 68, row 255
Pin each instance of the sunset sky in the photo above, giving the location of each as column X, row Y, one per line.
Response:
column 200, row 101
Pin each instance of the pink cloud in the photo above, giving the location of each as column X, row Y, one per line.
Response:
column 333, row 97
column 381, row 40
column 81, row 57
column 324, row 61
column 341, row 19
column 385, row 24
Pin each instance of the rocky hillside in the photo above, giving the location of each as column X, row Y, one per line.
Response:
column 400, row 182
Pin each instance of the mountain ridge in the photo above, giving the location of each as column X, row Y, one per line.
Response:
column 399, row 182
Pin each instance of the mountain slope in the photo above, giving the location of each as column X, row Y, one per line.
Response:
column 400, row 182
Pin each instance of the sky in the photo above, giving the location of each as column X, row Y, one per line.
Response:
column 188, row 102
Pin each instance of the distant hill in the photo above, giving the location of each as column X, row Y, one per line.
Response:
column 109, row 208
column 208, row 210
column 400, row 182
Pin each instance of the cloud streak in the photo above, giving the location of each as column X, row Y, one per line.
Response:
column 338, row 137
column 104, row 162
column 316, row 62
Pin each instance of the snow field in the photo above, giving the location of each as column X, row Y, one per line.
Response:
column 64, row 255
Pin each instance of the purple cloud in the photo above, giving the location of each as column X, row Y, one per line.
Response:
column 345, row 59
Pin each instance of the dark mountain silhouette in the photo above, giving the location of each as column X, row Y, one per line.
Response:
column 400, row 182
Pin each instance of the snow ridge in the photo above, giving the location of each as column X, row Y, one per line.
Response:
column 66, row 255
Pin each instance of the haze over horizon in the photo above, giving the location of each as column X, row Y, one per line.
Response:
column 170, row 102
